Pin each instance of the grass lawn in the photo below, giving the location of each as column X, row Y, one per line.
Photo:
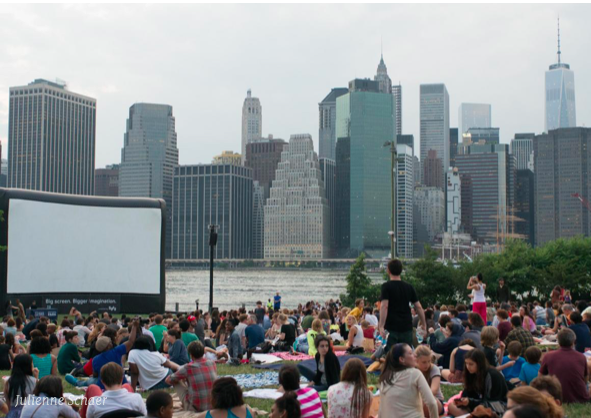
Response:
column 572, row 411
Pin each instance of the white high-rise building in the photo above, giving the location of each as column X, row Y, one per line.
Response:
column 473, row 115
column 560, row 95
column 404, row 201
column 297, row 212
column 522, row 147
column 435, row 123
column 454, row 201
column 252, row 121
column 430, row 202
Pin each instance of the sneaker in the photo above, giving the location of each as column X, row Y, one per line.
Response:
column 71, row 380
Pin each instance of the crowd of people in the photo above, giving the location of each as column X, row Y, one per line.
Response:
column 491, row 348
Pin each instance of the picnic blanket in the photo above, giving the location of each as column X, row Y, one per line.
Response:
column 311, row 364
column 287, row 356
column 258, row 380
column 265, row 358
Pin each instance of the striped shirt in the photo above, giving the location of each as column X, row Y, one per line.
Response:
column 310, row 403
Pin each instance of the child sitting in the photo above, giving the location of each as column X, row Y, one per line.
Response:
column 512, row 363
column 529, row 371
column 368, row 331
column 489, row 338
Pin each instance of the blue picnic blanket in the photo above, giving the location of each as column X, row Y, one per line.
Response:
column 258, row 380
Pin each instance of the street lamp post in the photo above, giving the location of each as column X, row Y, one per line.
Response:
column 213, row 240
column 392, row 233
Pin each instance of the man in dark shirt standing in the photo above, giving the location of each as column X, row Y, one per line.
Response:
column 260, row 313
column 503, row 293
column 395, row 316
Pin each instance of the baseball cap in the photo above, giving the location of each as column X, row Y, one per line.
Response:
column 191, row 318
column 102, row 343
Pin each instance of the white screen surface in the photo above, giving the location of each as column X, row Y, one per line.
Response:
column 54, row 247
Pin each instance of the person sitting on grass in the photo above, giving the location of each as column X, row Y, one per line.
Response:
column 530, row 396
column 159, row 405
column 569, row 367
column 350, row 397
column 581, row 330
column 519, row 334
column 289, row 380
column 548, row 385
column 43, row 360
column 186, row 335
column 312, row 334
column 489, row 338
column 512, row 364
column 116, row 395
column 286, row 406
column 328, row 368
column 432, row 375
column 45, row 402
column 158, row 330
column 235, row 351
column 483, row 384
column 194, row 381
column 68, row 357
column 531, row 369
column 355, row 337
column 227, row 401
column 453, row 336
column 177, row 352
column 149, row 368
column 455, row 374
column 403, row 388
column 21, row 384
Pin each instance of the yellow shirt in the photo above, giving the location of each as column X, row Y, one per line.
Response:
column 356, row 313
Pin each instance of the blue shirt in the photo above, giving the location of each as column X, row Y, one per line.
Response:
column 177, row 353
column 529, row 372
column 583, row 337
column 255, row 335
column 113, row 355
column 277, row 300
column 234, row 345
column 513, row 371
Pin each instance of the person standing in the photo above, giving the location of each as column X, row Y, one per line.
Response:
column 277, row 302
column 395, row 316
column 503, row 293
column 479, row 302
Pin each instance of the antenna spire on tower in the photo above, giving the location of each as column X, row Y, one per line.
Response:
column 382, row 47
column 559, row 39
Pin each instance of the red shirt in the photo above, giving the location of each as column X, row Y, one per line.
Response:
column 368, row 333
column 504, row 329
column 570, row 368
column 199, row 375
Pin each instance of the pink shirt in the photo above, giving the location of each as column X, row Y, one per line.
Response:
column 310, row 403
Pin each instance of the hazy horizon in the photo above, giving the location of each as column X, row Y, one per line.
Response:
column 201, row 59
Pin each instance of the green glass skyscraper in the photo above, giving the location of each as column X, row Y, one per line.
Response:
column 367, row 117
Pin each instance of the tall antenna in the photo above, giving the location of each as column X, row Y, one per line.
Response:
column 558, row 39
column 382, row 47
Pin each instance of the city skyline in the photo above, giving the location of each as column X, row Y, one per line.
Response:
column 105, row 69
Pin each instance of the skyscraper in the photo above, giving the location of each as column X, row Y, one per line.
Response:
column 560, row 95
column 385, row 86
column 327, row 116
column 435, row 122
column 366, row 116
column 433, row 171
column 106, row 181
column 477, row 137
column 453, row 146
column 51, row 139
column 212, row 194
column 328, row 170
column 524, row 205
column 473, row 115
column 252, row 121
column 562, row 159
column 431, row 210
column 406, row 140
column 404, row 201
column 454, row 201
column 297, row 216
column 343, row 197
column 149, row 156
column 522, row 147
column 258, row 221
column 263, row 156
column 491, row 170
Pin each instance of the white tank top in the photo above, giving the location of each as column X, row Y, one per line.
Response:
column 358, row 339
column 479, row 294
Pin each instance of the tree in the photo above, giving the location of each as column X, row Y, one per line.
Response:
column 358, row 283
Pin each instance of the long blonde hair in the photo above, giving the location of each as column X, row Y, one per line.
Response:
column 96, row 331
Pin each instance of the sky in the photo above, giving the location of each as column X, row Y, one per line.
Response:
column 201, row 59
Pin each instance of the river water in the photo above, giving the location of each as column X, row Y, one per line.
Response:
column 232, row 288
